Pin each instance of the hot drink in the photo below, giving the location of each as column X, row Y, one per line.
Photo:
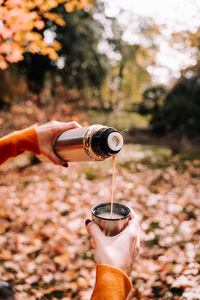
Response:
column 108, row 215
column 112, row 187
column 111, row 226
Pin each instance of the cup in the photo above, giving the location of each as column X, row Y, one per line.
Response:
column 101, row 215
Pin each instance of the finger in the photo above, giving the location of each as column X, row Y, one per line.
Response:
column 61, row 127
column 134, row 219
column 138, row 245
column 55, row 159
column 76, row 124
column 135, row 249
column 133, row 228
column 65, row 125
column 95, row 232
column 69, row 125
column 134, row 253
column 133, row 213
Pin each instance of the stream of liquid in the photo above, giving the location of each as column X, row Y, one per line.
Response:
column 112, row 188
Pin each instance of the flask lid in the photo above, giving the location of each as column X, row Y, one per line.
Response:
column 106, row 142
column 115, row 141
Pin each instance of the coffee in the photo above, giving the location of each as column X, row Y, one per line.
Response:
column 102, row 217
column 112, row 187
column 107, row 215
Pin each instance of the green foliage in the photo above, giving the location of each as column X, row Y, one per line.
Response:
column 95, row 62
column 181, row 109
column 127, row 78
column 152, row 104
column 84, row 65
column 53, row 295
column 90, row 173
column 121, row 120
column 176, row 111
column 81, row 65
column 153, row 242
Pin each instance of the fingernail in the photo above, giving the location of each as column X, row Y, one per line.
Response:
column 87, row 222
column 65, row 165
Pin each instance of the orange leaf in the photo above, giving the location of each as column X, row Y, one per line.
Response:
column 5, row 47
column 5, row 255
column 3, row 64
column 54, row 17
column 33, row 36
column 39, row 24
column 62, row 259
column 56, row 45
column 3, row 212
column 15, row 56
column 70, row 7
column 33, row 48
column 6, row 33
column 52, row 54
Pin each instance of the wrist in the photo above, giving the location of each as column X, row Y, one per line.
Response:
column 26, row 140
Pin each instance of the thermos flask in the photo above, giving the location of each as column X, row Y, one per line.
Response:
column 95, row 142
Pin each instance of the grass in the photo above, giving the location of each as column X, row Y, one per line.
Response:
column 119, row 120
column 155, row 157
column 191, row 154
column 90, row 173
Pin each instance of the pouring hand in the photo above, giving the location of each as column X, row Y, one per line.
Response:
column 47, row 134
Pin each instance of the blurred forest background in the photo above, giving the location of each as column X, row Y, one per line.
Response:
column 70, row 60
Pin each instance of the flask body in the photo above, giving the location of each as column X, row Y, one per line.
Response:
column 86, row 144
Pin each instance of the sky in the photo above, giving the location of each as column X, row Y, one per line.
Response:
column 173, row 15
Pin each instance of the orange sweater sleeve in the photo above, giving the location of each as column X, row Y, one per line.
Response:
column 111, row 284
column 17, row 142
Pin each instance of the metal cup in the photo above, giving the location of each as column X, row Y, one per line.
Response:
column 111, row 226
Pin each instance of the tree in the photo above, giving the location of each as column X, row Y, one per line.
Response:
column 129, row 76
column 21, row 24
column 126, row 79
column 84, row 66
column 176, row 111
column 153, row 99
column 188, row 41
column 181, row 108
column 80, row 66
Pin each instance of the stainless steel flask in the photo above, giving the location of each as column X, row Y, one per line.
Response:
column 96, row 142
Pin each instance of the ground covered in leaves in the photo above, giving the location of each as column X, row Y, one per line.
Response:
column 44, row 248
column 45, row 251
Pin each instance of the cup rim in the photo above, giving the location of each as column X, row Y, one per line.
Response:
column 114, row 204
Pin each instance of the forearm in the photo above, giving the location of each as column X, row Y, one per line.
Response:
column 111, row 283
column 17, row 142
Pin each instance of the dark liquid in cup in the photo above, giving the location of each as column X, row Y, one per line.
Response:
column 108, row 215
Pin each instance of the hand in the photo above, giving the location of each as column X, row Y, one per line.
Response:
column 47, row 135
column 117, row 251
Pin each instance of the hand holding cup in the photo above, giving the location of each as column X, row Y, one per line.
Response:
column 118, row 251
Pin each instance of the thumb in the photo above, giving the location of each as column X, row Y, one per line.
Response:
column 95, row 232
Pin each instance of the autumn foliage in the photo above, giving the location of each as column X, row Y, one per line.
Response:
column 21, row 24
column 45, row 252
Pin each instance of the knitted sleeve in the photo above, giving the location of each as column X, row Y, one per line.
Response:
column 111, row 283
column 17, row 142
